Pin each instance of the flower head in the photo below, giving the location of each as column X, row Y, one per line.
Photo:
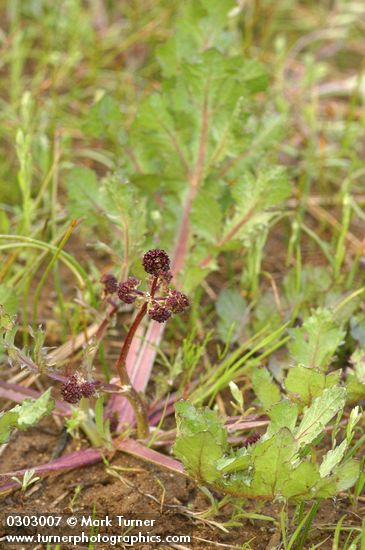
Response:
column 166, row 277
column 156, row 262
column 71, row 390
column 87, row 388
column 177, row 302
column 110, row 283
column 127, row 290
column 159, row 313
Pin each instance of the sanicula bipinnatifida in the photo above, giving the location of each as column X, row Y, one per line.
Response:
column 160, row 301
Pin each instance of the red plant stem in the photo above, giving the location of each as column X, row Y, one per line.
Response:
column 128, row 340
column 121, row 366
column 194, row 183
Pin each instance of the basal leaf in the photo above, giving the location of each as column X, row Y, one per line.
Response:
column 191, row 421
column 198, row 22
column 266, row 390
column 355, row 389
column 358, row 362
column 201, row 441
column 301, row 482
column 282, row 415
column 272, row 463
column 357, row 328
column 317, row 416
column 241, row 461
column 127, row 210
column 199, row 454
column 343, row 478
column 308, row 383
column 253, row 197
column 315, row 343
column 347, row 475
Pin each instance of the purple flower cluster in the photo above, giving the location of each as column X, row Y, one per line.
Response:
column 74, row 389
column 127, row 291
column 156, row 263
column 110, row 283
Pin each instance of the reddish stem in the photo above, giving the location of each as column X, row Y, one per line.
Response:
column 121, row 365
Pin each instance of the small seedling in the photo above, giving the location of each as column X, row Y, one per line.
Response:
column 29, row 478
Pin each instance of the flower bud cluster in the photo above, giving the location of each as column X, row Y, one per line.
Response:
column 75, row 388
column 127, row 291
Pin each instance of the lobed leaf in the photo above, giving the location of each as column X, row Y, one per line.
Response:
column 308, row 383
column 266, row 390
column 315, row 343
column 25, row 415
column 317, row 416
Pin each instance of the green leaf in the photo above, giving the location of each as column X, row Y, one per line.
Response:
column 206, row 217
column 343, row 478
column 272, row 463
column 315, row 343
column 201, row 441
column 127, row 210
column 104, row 118
column 282, row 415
column 241, row 461
column 25, row 415
column 355, row 417
column 232, row 311
column 267, row 392
column 191, row 421
column 332, row 459
column 355, row 389
column 253, row 196
column 347, row 474
column 8, row 299
column 308, row 383
column 198, row 23
column 31, row 411
column 199, row 454
column 322, row 410
column 8, row 421
column 83, row 195
column 315, row 281
column 357, row 328
column 301, row 482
